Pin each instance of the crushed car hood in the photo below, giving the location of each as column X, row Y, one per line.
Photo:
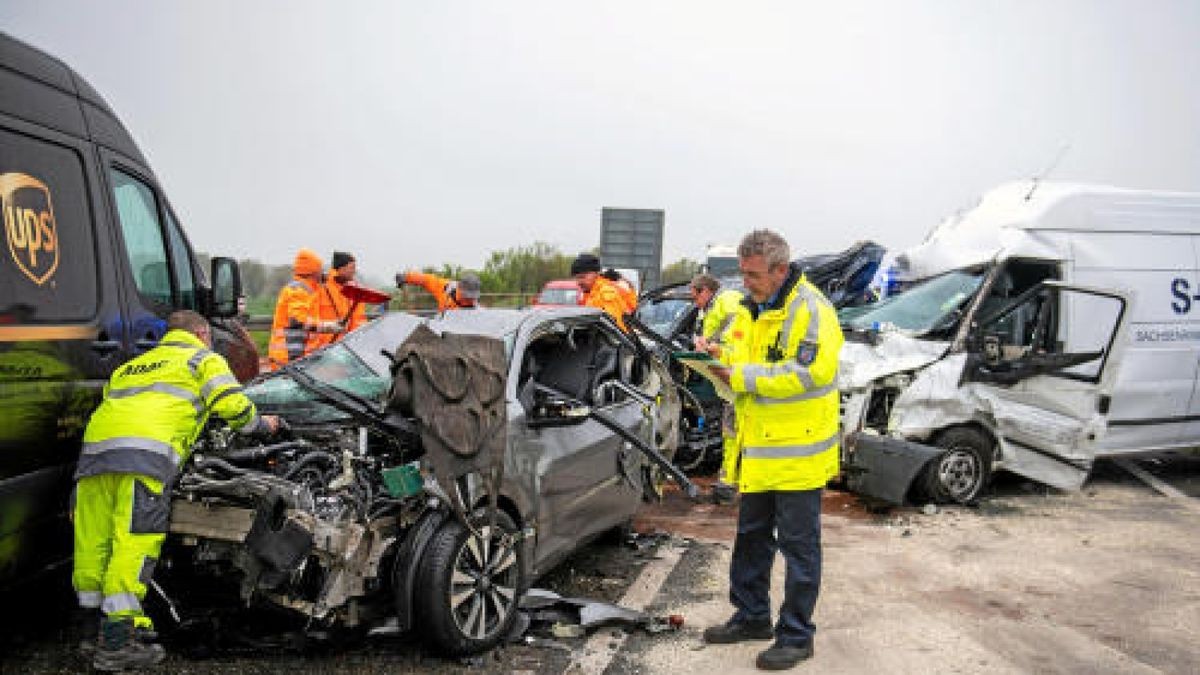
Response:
column 893, row 352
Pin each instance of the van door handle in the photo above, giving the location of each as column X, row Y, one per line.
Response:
column 104, row 346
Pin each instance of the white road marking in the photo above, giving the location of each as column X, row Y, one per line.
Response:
column 1154, row 482
column 599, row 650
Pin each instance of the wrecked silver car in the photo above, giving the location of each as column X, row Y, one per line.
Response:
column 435, row 468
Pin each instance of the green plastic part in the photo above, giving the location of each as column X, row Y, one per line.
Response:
column 403, row 481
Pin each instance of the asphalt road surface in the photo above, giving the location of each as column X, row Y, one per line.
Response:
column 1033, row 580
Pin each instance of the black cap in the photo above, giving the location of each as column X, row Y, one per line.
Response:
column 340, row 259
column 585, row 262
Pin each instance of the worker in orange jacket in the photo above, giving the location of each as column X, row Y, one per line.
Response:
column 333, row 305
column 449, row 294
column 297, row 320
column 599, row 292
column 628, row 292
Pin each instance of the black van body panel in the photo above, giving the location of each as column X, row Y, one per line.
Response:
column 64, row 329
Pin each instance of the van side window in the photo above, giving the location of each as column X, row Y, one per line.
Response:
column 48, row 254
column 143, row 235
column 181, row 261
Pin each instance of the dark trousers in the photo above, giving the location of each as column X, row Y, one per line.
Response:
column 791, row 523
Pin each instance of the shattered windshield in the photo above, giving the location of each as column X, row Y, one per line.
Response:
column 927, row 306
column 356, row 365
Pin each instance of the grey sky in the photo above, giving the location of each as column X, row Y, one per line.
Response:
column 420, row 133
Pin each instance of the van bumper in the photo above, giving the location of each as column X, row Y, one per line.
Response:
column 883, row 468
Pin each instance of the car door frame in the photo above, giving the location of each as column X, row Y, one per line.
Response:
column 561, row 521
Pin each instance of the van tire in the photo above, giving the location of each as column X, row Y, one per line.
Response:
column 454, row 627
column 960, row 474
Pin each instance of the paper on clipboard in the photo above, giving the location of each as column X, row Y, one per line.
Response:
column 703, row 364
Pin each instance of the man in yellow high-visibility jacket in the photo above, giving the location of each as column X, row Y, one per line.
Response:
column 784, row 372
column 135, row 444
column 723, row 326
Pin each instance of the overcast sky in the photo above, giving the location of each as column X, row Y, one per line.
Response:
column 416, row 133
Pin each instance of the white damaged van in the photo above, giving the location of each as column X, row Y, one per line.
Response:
column 1047, row 326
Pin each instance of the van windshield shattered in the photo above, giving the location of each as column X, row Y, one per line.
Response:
column 929, row 305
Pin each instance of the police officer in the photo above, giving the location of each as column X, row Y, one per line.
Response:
column 784, row 374
column 135, row 444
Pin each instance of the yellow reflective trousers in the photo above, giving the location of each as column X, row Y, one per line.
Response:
column 120, row 525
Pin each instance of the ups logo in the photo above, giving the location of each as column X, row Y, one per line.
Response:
column 29, row 225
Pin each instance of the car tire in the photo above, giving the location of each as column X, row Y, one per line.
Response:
column 960, row 474
column 469, row 585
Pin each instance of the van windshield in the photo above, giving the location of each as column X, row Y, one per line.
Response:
column 927, row 306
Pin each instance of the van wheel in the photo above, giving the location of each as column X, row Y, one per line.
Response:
column 959, row 474
column 469, row 585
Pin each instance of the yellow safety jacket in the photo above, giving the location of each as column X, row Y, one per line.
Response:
column 785, row 378
column 156, row 404
column 718, row 324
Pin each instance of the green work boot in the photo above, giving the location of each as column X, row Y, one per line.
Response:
column 123, row 647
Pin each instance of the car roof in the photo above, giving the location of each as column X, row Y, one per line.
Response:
column 499, row 322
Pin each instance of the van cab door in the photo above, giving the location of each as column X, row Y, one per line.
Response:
column 1044, row 364
column 160, row 273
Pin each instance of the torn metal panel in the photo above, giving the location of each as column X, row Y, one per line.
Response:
column 894, row 352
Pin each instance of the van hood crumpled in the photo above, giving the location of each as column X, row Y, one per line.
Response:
column 861, row 364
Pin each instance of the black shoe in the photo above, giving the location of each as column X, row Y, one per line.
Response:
column 123, row 647
column 738, row 631
column 782, row 657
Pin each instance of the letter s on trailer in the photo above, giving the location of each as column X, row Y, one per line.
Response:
column 1046, row 327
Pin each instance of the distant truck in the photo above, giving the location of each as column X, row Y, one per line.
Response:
column 1050, row 325
column 95, row 260
column 721, row 261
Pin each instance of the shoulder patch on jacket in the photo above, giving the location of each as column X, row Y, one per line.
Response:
column 806, row 353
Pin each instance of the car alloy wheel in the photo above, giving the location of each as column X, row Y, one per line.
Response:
column 483, row 583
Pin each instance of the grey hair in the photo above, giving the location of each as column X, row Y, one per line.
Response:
column 768, row 244
column 705, row 282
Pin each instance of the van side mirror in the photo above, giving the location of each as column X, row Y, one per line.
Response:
column 226, row 287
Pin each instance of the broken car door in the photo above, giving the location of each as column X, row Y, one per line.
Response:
column 1044, row 364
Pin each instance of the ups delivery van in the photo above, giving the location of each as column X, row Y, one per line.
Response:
column 93, row 260
column 1050, row 325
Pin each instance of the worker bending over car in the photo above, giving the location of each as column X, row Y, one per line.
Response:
column 136, row 443
column 599, row 291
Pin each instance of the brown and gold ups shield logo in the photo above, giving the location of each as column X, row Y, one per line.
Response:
column 29, row 225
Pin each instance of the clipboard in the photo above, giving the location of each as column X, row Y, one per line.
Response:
column 703, row 364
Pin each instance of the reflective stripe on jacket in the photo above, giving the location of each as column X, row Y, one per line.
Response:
column 333, row 305
column 296, row 315
column 156, row 404
column 606, row 297
column 785, row 377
